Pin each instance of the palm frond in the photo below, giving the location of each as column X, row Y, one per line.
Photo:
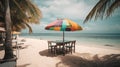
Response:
column 111, row 9
column 95, row 11
column 100, row 9
column 17, row 9
column 22, row 13
column 1, row 10
column 30, row 29
column 34, row 14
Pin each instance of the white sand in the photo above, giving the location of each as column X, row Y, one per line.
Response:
column 35, row 54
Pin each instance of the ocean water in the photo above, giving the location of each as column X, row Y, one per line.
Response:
column 91, row 39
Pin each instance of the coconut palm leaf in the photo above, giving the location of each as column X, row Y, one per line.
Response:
column 30, row 29
column 22, row 12
column 102, row 9
column 33, row 11
column 115, row 5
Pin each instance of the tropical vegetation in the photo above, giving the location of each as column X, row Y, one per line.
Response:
column 16, row 15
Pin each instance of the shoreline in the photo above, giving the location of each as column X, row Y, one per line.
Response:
column 105, row 46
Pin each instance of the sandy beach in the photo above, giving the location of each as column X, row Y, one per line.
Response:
column 34, row 53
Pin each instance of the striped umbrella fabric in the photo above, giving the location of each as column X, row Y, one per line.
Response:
column 16, row 32
column 2, row 29
column 63, row 25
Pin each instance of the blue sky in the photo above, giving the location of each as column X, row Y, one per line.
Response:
column 76, row 10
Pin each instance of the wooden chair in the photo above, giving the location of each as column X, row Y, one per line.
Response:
column 70, row 47
column 51, row 47
column 60, row 48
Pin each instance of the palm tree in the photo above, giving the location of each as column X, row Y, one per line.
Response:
column 16, row 14
column 8, row 42
column 104, row 8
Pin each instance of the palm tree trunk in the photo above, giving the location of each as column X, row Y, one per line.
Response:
column 8, row 41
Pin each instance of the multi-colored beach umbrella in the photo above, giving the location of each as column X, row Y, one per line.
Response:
column 63, row 25
column 2, row 29
column 16, row 32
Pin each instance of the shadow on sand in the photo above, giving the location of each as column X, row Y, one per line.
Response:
column 85, row 60
column 21, row 47
column 24, row 65
column 1, row 48
column 46, row 53
column 112, row 60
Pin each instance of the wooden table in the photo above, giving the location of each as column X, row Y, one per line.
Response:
column 60, row 46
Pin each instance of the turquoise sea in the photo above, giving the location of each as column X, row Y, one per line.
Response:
column 100, row 39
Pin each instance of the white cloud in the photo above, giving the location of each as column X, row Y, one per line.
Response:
column 75, row 10
column 65, row 9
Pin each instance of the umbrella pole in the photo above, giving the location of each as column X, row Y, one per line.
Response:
column 63, row 36
column 63, row 44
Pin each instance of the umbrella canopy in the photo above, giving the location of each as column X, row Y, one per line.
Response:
column 63, row 25
column 2, row 29
column 15, row 32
